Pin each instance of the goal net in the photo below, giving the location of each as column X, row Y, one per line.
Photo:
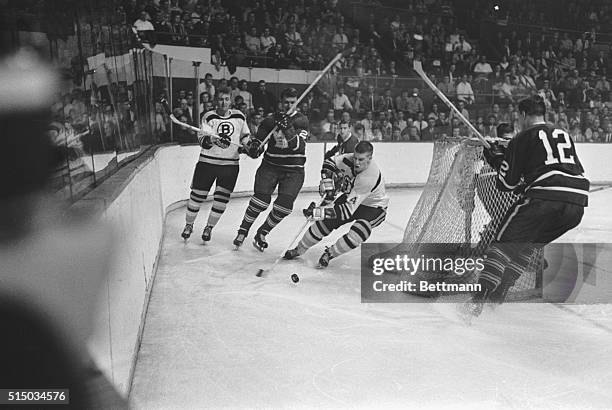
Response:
column 461, row 205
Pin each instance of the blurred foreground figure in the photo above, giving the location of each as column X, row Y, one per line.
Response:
column 51, row 268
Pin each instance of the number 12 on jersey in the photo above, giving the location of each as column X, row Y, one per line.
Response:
column 563, row 157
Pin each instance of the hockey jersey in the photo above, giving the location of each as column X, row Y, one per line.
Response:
column 545, row 157
column 234, row 124
column 286, row 148
column 366, row 188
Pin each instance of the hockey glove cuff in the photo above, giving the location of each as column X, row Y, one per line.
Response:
column 281, row 121
column 327, row 189
column 494, row 155
column 319, row 213
column 205, row 141
column 253, row 148
column 223, row 141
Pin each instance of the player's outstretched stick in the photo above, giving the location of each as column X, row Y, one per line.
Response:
column 205, row 129
column 418, row 67
column 328, row 67
column 260, row 272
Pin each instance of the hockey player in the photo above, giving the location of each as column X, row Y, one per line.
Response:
column 218, row 162
column 363, row 202
column 282, row 167
column 542, row 162
column 346, row 141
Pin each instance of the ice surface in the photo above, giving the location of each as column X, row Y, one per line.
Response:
column 218, row 336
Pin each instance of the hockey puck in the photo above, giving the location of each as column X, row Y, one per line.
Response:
column 295, row 278
column 259, row 273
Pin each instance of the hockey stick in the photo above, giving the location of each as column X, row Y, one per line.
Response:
column 260, row 272
column 205, row 130
column 418, row 67
column 293, row 108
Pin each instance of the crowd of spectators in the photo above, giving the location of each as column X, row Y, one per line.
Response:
column 566, row 68
column 280, row 34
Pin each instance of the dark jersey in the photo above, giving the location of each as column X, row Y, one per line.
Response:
column 343, row 147
column 286, row 148
column 545, row 157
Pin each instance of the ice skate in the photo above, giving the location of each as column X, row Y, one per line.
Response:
column 238, row 241
column 187, row 231
column 207, row 233
column 291, row 254
column 325, row 258
column 259, row 242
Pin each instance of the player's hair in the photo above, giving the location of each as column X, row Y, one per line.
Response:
column 364, row 147
column 504, row 128
column 223, row 90
column 344, row 122
column 533, row 105
column 289, row 92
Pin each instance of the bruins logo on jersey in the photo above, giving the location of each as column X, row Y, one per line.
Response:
column 225, row 127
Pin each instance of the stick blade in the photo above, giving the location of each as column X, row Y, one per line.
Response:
column 417, row 66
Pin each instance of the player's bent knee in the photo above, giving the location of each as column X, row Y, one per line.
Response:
column 285, row 201
column 266, row 198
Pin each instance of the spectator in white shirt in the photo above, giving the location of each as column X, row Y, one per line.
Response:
column 252, row 41
column 367, row 123
column 292, row 37
column 482, row 67
column 341, row 101
column 464, row 91
column 245, row 94
column 207, row 86
column 420, row 122
column 401, row 122
column 143, row 23
column 267, row 41
column 340, row 39
column 463, row 46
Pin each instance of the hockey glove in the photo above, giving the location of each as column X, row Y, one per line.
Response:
column 344, row 184
column 520, row 188
column 253, row 148
column 494, row 155
column 327, row 189
column 282, row 121
column 223, row 141
column 205, row 141
column 318, row 213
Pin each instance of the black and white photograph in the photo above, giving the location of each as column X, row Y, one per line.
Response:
column 313, row 204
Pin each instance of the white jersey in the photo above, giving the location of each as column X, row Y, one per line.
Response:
column 233, row 124
column 368, row 187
